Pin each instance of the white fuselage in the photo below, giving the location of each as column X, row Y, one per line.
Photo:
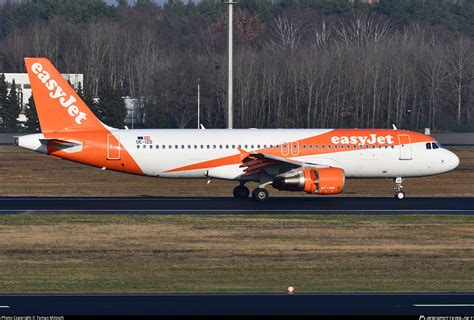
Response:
column 170, row 149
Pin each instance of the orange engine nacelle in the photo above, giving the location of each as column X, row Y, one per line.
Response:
column 314, row 181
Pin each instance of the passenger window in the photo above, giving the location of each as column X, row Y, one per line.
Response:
column 316, row 146
column 195, row 146
column 163, row 146
column 151, row 146
column 335, row 147
column 202, row 146
column 393, row 147
column 258, row 146
column 386, row 147
column 182, row 146
column 227, row 146
column 208, row 146
column 348, row 146
column 342, row 146
column 170, row 147
column 214, row 146
column 138, row 146
column 322, row 146
column 240, row 146
column 246, row 146
column 264, row 146
column 304, row 146
column 310, row 146
column 189, row 146
column 233, row 146
column 329, row 146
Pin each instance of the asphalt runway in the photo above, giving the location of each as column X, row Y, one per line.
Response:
column 429, row 304
column 220, row 206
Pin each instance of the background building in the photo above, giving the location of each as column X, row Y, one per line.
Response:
column 23, row 86
column 135, row 111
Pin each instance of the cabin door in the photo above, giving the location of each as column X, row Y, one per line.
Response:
column 405, row 147
column 113, row 147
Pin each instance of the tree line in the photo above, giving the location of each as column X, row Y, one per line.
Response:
column 297, row 63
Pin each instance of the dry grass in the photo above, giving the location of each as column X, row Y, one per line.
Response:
column 119, row 253
column 140, row 253
column 28, row 173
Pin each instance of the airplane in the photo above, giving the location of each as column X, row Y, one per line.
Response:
column 315, row 161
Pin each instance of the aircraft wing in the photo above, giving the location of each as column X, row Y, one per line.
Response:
column 256, row 162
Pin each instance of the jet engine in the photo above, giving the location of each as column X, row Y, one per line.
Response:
column 313, row 181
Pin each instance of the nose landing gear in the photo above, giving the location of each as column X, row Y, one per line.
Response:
column 399, row 194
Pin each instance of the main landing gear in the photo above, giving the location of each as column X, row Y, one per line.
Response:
column 259, row 194
column 241, row 192
column 399, row 194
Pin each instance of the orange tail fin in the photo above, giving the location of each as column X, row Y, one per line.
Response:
column 59, row 107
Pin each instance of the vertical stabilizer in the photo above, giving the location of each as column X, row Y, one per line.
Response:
column 59, row 107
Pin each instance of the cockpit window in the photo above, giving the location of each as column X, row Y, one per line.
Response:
column 428, row 145
column 435, row 145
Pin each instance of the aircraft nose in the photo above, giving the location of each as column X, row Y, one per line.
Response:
column 452, row 161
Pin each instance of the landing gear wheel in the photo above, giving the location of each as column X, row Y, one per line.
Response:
column 260, row 194
column 400, row 195
column 241, row 192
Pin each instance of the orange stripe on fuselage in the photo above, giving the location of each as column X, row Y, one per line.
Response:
column 322, row 139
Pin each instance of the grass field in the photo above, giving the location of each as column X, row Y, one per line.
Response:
column 152, row 254
column 27, row 173
column 144, row 254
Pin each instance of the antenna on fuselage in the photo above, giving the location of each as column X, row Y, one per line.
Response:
column 394, row 128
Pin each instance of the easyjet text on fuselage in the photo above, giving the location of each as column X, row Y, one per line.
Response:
column 362, row 140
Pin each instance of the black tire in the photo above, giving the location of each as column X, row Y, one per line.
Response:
column 400, row 195
column 241, row 192
column 260, row 194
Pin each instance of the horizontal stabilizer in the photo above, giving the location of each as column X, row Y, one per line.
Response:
column 69, row 146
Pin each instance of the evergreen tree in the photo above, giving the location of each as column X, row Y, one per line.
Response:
column 122, row 3
column 111, row 107
column 32, row 124
column 86, row 96
column 3, row 99
column 11, row 109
